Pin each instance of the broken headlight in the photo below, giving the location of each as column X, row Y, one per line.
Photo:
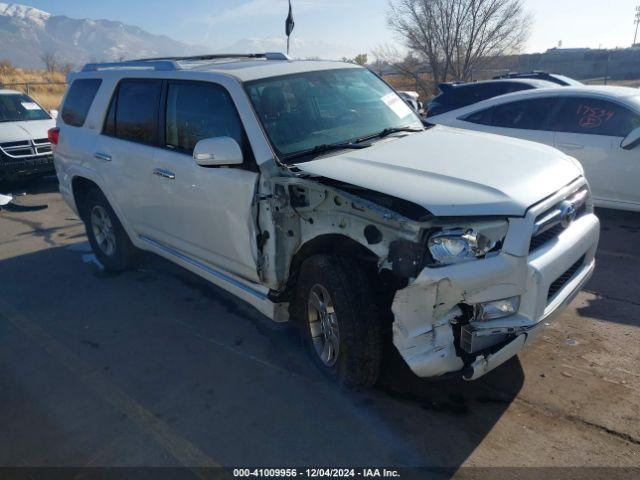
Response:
column 459, row 245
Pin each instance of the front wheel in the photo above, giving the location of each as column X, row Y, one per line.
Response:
column 338, row 319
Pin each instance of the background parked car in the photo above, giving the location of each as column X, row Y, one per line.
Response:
column 458, row 95
column 24, row 146
column 413, row 99
column 561, row 80
column 600, row 126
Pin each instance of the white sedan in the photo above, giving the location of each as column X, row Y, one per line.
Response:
column 599, row 126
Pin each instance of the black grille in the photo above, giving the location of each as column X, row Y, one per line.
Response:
column 545, row 237
column 14, row 144
column 562, row 280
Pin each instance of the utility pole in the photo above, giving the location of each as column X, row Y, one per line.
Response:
column 637, row 22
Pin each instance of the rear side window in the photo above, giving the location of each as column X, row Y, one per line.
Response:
column 79, row 100
column 133, row 113
column 595, row 117
column 196, row 111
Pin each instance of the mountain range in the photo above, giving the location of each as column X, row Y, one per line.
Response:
column 26, row 34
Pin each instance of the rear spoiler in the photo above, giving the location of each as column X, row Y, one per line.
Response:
column 444, row 86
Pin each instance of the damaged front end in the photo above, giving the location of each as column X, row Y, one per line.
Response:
column 440, row 326
column 465, row 294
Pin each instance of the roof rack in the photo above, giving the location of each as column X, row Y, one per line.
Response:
column 171, row 63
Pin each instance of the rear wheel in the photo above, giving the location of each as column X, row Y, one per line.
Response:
column 339, row 322
column 107, row 237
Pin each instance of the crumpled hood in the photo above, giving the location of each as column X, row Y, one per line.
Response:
column 19, row 131
column 453, row 172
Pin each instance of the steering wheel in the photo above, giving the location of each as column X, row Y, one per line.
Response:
column 350, row 116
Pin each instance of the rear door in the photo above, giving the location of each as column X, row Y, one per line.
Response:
column 204, row 213
column 591, row 129
column 127, row 147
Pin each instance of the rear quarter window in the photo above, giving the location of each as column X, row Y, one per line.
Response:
column 78, row 102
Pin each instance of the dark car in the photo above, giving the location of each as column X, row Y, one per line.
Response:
column 458, row 95
column 561, row 80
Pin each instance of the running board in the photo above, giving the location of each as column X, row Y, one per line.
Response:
column 253, row 294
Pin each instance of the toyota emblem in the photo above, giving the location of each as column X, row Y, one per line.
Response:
column 568, row 213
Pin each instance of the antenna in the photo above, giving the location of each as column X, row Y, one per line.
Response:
column 289, row 26
column 637, row 22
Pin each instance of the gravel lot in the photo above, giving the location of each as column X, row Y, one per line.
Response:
column 155, row 367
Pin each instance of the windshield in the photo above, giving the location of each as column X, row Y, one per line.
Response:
column 18, row 107
column 303, row 111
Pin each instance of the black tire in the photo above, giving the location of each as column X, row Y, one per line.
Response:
column 358, row 359
column 122, row 255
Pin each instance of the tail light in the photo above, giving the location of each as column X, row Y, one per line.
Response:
column 53, row 135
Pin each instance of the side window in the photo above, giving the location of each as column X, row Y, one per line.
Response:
column 524, row 114
column 133, row 113
column 594, row 117
column 196, row 111
column 481, row 117
column 79, row 100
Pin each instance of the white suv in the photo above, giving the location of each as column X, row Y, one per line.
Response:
column 313, row 192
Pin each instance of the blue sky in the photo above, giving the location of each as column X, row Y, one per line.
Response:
column 343, row 27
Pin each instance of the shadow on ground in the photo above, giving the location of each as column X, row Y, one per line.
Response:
column 30, row 186
column 215, row 372
column 615, row 281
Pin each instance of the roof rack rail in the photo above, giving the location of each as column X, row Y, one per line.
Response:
column 216, row 56
column 158, row 65
column 171, row 63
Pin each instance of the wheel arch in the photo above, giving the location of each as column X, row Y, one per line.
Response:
column 331, row 244
column 80, row 188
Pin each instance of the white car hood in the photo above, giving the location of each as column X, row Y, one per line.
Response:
column 453, row 172
column 19, row 131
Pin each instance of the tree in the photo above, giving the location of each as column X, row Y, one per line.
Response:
column 408, row 66
column 455, row 36
column 50, row 61
column 361, row 59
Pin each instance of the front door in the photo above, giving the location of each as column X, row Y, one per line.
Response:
column 525, row 119
column 205, row 213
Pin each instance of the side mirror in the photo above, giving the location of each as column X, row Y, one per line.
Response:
column 218, row 151
column 54, row 114
column 632, row 140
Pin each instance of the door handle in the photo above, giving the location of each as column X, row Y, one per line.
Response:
column 571, row 146
column 161, row 172
column 105, row 157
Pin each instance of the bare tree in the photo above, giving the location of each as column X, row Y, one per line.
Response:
column 50, row 61
column 455, row 36
column 407, row 65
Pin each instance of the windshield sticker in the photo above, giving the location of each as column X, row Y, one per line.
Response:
column 397, row 105
column 31, row 106
column 593, row 117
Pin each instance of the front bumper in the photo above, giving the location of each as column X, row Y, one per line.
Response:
column 41, row 165
column 428, row 313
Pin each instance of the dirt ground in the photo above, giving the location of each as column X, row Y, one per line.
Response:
column 154, row 367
